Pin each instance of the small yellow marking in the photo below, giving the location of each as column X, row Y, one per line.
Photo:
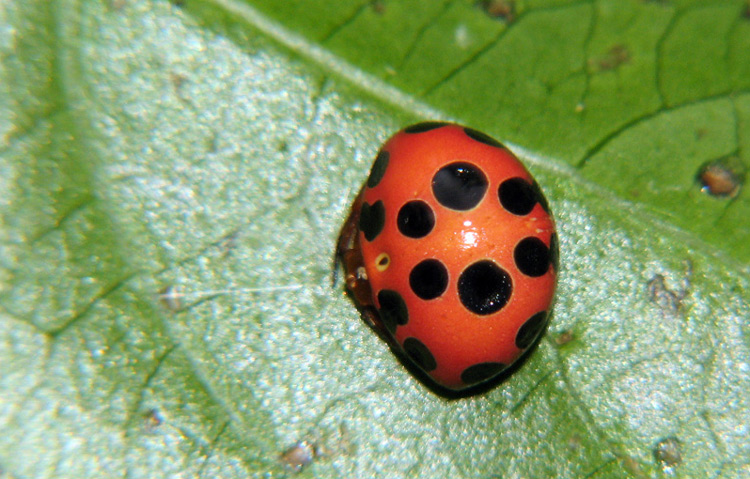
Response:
column 382, row 262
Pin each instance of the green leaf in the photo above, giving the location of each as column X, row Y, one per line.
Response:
column 174, row 176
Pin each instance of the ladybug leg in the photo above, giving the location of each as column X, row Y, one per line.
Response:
column 348, row 234
column 349, row 254
column 347, row 241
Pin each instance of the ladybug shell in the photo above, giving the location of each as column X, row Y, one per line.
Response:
column 460, row 251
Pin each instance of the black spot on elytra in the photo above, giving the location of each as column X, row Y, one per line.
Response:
column 415, row 219
column 420, row 354
column 532, row 256
column 530, row 330
column 425, row 126
column 484, row 287
column 378, row 169
column 481, row 372
column 459, row 186
column 372, row 219
column 483, row 138
column 517, row 196
column 393, row 311
column 429, row 279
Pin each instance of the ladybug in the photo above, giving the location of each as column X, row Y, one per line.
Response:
column 450, row 253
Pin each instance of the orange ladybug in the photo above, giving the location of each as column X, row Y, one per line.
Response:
column 450, row 252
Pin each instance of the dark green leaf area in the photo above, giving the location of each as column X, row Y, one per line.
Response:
column 571, row 80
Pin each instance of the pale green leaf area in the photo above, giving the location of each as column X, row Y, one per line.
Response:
column 211, row 150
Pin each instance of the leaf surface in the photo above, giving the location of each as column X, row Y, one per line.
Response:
column 175, row 175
